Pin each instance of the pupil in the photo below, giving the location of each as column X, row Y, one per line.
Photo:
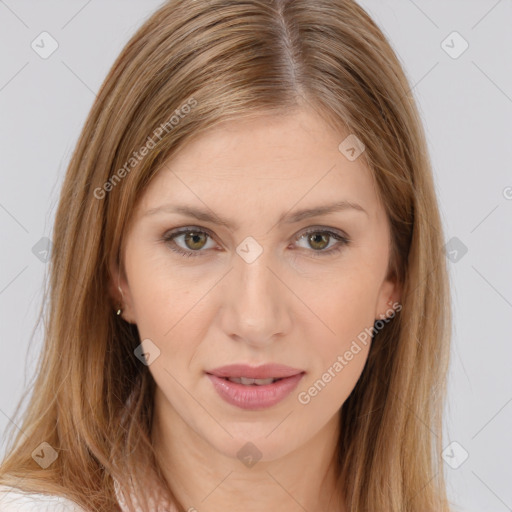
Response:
column 194, row 237
column 315, row 241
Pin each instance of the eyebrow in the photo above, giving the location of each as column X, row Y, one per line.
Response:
column 288, row 218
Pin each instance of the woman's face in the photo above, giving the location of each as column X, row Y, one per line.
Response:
column 257, row 278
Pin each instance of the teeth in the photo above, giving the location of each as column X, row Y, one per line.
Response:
column 249, row 382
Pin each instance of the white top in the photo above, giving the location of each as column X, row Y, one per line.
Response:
column 16, row 500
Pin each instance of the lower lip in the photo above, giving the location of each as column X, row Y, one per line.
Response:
column 254, row 397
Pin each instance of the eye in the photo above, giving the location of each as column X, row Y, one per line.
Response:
column 193, row 240
column 319, row 238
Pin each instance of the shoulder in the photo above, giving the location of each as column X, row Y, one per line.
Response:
column 16, row 500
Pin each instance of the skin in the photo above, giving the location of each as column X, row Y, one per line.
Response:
column 292, row 305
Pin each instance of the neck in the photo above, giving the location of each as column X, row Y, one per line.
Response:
column 203, row 478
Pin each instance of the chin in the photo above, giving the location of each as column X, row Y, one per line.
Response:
column 255, row 442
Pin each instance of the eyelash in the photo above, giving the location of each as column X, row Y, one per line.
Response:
column 170, row 236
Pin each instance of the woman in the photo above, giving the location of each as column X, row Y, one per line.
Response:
column 249, row 304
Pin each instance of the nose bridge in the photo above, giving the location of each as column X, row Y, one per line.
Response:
column 256, row 309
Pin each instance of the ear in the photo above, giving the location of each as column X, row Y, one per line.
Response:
column 119, row 292
column 388, row 300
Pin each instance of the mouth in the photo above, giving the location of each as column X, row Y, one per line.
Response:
column 254, row 388
column 246, row 381
column 256, row 373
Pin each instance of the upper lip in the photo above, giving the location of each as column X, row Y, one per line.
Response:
column 277, row 371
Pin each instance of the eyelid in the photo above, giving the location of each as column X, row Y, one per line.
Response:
column 169, row 236
column 342, row 238
column 322, row 229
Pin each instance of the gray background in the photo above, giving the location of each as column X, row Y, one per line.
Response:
column 466, row 105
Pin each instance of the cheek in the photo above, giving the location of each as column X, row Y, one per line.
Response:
column 341, row 332
column 173, row 308
column 159, row 295
column 343, row 303
column 338, row 356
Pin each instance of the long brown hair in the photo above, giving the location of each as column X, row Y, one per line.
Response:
column 192, row 65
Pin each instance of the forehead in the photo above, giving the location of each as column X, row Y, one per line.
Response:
column 263, row 162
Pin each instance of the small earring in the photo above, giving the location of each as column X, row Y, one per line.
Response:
column 119, row 309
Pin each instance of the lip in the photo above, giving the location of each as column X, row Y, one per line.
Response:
column 277, row 371
column 254, row 397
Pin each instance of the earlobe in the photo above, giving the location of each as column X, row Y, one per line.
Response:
column 388, row 303
column 120, row 308
column 119, row 300
column 114, row 284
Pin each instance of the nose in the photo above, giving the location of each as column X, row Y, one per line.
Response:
column 256, row 303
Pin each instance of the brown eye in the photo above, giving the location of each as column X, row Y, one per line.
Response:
column 322, row 242
column 319, row 241
column 188, row 241
column 195, row 240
